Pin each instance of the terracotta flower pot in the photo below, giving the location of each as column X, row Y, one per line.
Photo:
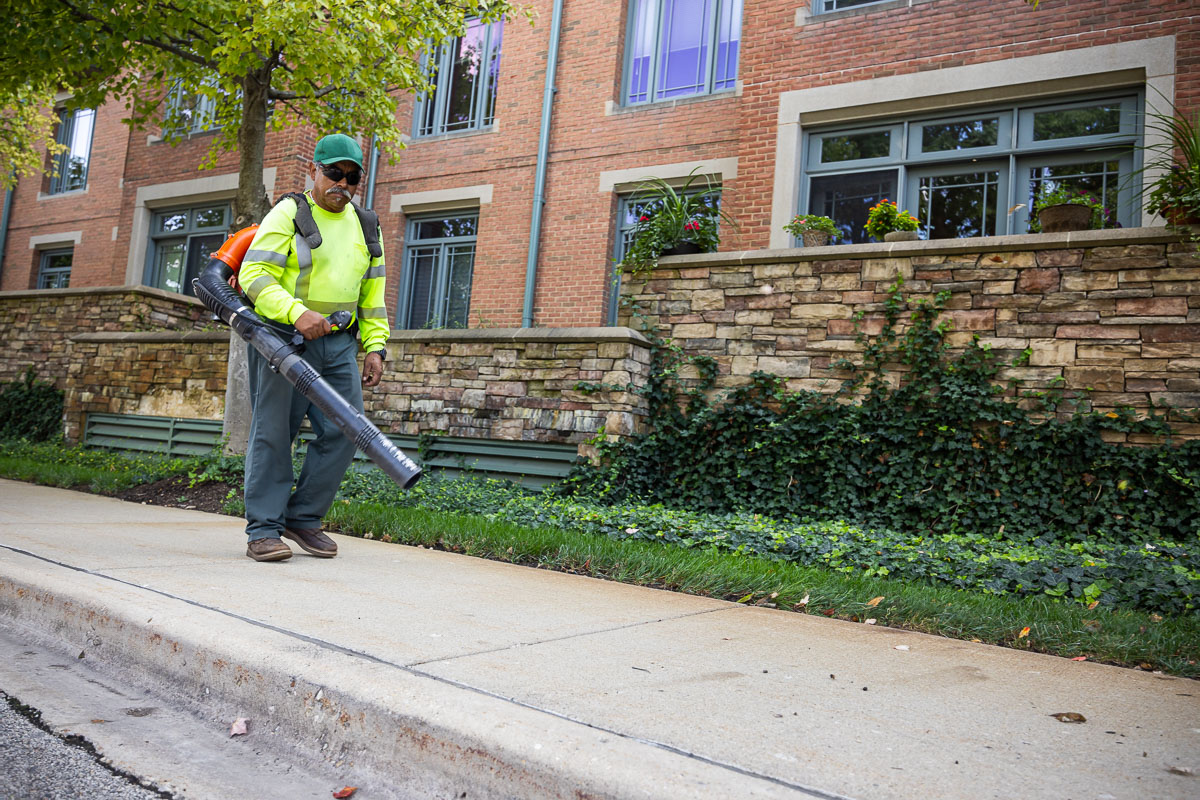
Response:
column 901, row 236
column 815, row 238
column 1065, row 217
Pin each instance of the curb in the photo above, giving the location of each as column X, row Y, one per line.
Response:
column 430, row 736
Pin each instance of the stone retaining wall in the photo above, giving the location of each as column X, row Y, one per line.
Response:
column 515, row 383
column 38, row 323
column 1114, row 311
column 163, row 374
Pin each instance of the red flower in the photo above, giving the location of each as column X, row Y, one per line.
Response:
column 692, row 226
column 643, row 219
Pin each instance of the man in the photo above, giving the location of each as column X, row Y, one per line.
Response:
column 297, row 286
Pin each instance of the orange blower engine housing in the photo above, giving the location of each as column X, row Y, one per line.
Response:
column 234, row 250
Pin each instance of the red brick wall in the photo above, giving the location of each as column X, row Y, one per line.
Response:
column 578, row 226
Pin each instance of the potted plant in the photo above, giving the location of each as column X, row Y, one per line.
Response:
column 674, row 222
column 813, row 230
column 1174, row 194
column 886, row 222
column 1059, row 208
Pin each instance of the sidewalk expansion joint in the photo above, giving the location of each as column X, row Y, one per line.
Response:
column 410, row 669
column 581, row 634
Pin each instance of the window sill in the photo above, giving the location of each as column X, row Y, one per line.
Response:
column 806, row 16
column 613, row 109
column 441, row 137
column 51, row 196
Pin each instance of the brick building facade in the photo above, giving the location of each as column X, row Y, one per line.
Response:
column 815, row 106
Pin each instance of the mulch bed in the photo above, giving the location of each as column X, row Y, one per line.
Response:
column 176, row 492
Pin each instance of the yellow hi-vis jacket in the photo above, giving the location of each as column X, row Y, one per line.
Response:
column 284, row 277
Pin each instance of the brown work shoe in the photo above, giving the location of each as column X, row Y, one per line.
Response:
column 312, row 540
column 272, row 549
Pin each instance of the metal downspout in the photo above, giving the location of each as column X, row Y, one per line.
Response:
column 4, row 226
column 369, row 197
column 539, row 183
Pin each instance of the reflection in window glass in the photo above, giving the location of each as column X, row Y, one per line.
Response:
column 169, row 266
column 957, row 206
column 1072, row 122
column 854, row 146
column 54, row 271
column 439, row 263
column 210, row 217
column 71, row 166
column 838, row 5
column 847, row 199
column 1100, row 179
column 670, row 48
column 465, row 72
column 940, row 137
column 173, row 222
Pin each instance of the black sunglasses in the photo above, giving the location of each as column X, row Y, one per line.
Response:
column 335, row 174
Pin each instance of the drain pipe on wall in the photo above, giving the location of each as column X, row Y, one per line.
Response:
column 539, row 182
column 369, row 198
column 4, row 226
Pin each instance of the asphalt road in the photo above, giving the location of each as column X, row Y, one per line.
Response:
column 35, row 765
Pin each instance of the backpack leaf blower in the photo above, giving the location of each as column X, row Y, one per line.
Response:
column 213, row 288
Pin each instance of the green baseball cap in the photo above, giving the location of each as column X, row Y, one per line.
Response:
column 337, row 147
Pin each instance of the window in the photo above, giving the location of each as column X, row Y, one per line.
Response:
column 180, row 244
column 189, row 111
column 465, row 72
column 54, row 271
column 974, row 173
column 825, row 6
column 629, row 210
column 71, row 166
column 678, row 48
column 439, row 257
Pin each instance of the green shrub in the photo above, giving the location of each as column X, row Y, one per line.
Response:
column 30, row 409
column 948, row 451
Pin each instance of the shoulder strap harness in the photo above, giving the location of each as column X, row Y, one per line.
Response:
column 306, row 226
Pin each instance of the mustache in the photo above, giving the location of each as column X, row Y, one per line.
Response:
column 338, row 190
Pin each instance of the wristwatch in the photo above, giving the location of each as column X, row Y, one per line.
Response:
column 382, row 353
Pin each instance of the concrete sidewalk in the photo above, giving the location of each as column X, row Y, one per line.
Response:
column 451, row 674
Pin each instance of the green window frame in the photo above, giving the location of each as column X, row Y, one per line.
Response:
column 189, row 111
column 829, row 6
column 54, row 268
column 439, row 265
column 181, row 240
column 75, row 132
column 465, row 72
column 681, row 48
column 975, row 171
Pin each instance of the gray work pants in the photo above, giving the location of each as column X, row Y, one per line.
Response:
column 278, row 409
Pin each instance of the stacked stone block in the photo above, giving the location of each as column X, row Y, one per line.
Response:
column 1113, row 314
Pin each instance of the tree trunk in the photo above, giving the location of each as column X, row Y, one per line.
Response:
column 251, row 203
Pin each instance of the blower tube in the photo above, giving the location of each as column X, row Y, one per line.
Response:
column 213, row 289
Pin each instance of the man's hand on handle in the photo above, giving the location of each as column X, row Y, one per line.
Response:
column 372, row 371
column 313, row 326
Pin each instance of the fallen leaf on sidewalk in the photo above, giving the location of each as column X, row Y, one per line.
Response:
column 1079, row 658
column 870, row 621
column 874, row 601
column 1180, row 771
column 900, row 647
column 345, row 791
column 1024, row 632
column 238, row 728
column 1069, row 716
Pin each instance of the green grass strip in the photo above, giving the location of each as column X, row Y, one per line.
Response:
column 1126, row 638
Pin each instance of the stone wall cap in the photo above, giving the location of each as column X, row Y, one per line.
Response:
column 1026, row 241
column 505, row 335
column 149, row 291
column 153, row 336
